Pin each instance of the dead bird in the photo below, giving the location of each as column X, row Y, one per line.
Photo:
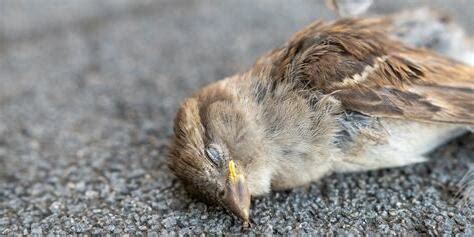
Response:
column 336, row 97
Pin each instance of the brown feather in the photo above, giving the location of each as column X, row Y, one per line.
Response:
column 359, row 62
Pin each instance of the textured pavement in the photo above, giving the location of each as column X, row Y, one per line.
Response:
column 88, row 91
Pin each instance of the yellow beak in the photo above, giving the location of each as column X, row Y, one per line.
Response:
column 237, row 196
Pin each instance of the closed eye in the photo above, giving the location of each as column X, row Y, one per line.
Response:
column 214, row 155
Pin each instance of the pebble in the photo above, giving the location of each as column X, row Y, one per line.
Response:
column 168, row 222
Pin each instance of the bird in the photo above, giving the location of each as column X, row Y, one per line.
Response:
column 338, row 96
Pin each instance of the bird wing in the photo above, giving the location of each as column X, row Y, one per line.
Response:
column 358, row 62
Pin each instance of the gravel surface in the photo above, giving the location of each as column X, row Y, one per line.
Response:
column 87, row 97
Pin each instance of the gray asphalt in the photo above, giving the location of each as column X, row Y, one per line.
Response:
column 87, row 97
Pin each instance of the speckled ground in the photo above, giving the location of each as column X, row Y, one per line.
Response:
column 88, row 91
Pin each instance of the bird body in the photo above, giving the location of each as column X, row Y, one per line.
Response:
column 300, row 142
column 337, row 97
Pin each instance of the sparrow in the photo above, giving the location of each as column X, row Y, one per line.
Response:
column 338, row 96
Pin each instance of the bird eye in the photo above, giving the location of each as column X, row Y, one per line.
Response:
column 214, row 155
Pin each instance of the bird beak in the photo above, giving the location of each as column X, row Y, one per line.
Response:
column 237, row 196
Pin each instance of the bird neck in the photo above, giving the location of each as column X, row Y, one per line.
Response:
column 296, row 129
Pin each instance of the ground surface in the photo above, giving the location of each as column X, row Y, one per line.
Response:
column 88, row 92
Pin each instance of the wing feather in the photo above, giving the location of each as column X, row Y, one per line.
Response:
column 358, row 62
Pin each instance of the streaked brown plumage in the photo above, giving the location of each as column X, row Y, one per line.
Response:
column 399, row 82
column 341, row 96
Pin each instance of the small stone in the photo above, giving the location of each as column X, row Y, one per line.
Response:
column 268, row 229
column 97, row 211
column 110, row 228
column 4, row 221
column 91, row 194
column 459, row 220
column 136, row 173
column 303, row 225
column 80, row 187
column 36, row 229
column 168, row 222
column 56, row 207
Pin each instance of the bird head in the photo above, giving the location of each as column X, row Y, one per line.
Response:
column 214, row 143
